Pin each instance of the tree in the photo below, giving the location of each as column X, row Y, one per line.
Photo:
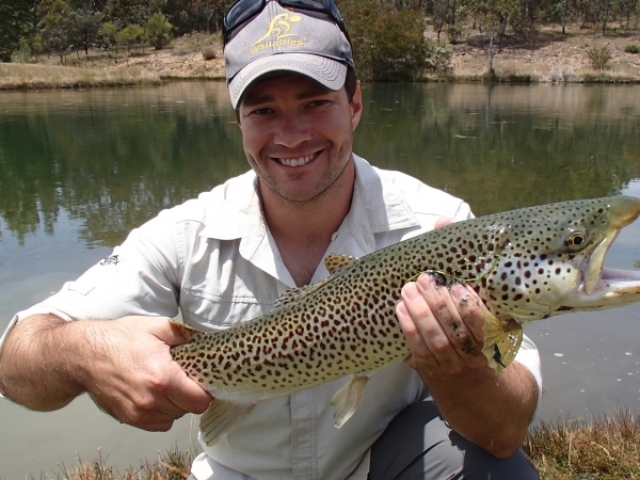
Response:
column 15, row 16
column 56, row 27
column 128, row 12
column 158, row 31
column 107, row 37
column 84, row 28
column 129, row 36
column 391, row 44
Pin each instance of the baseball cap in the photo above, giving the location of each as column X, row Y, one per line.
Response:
column 286, row 39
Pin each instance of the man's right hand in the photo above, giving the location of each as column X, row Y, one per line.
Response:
column 125, row 365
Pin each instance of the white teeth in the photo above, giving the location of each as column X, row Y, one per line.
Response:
column 296, row 162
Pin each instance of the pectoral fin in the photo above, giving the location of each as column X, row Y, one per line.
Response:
column 347, row 400
column 220, row 417
column 501, row 342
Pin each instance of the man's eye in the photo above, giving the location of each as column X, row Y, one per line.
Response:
column 318, row 103
column 261, row 111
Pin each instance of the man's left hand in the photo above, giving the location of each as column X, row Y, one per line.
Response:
column 443, row 326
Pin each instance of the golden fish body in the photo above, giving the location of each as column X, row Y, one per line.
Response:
column 525, row 264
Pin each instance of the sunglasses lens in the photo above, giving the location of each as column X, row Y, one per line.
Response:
column 310, row 4
column 241, row 11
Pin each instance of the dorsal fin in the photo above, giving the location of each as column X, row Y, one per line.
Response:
column 336, row 263
column 298, row 293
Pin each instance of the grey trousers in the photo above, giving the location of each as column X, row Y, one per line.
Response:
column 418, row 445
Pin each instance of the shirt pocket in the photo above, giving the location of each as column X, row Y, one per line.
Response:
column 201, row 308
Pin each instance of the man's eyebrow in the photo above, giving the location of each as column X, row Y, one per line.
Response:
column 251, row 100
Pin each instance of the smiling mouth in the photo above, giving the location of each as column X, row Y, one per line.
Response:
column 297, row 162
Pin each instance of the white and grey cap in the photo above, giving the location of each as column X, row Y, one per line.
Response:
column 281, row 39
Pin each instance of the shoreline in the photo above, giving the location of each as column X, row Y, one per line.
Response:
column 552, row 57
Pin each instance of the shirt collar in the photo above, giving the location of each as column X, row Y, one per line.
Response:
column 381, row 201
column 377, row 206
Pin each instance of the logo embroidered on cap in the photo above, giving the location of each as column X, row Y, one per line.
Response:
column 280, row 27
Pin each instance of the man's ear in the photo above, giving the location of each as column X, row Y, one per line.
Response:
column 356, row 106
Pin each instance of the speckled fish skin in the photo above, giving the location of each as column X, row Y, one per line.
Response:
column 525, row 264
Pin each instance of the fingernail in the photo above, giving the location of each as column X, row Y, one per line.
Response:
column 410, row 291
column 458, row 290
column 426, row 280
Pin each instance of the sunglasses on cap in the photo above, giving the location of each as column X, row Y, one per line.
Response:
column 243, row 10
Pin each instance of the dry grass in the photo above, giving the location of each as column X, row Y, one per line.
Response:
column 18, row 75
column 608, row 448
column 174, row 465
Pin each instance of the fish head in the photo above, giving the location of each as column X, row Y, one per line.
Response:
column 550, row 260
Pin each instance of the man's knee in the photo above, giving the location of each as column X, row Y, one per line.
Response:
column 475, row 463
column 418, row 444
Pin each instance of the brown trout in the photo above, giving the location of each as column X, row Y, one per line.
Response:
column 525, row 264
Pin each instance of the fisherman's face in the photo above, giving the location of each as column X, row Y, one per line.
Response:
column 298, row 136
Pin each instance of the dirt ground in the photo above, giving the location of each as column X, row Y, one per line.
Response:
column 549, row 57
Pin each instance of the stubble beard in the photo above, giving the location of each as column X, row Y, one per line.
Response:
column 324, row 190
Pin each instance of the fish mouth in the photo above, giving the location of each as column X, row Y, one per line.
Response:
column 598, row 281
column 601, row 287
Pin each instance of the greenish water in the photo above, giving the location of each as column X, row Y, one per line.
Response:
column 79, row 169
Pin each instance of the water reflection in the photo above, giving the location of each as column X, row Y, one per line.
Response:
column 78, row 170
column 113, row 159
column 506, row 146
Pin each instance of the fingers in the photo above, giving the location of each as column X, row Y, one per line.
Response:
column 159, row 406
column 167, row 331
column 472, row 311
column 443, row 327
column 138, row 382
column 442, row 222
column 425, row 336
column 187, row 395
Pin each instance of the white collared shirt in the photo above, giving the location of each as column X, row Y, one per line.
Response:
column 213, row 260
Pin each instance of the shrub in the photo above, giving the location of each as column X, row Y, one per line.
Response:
column 158, row 31
column 130, row 35
column 599, row 57
column 107, row 35
column 453, row 33
column 21, row 55
column 632, row 48
column 437, row 57
column 390, row 44
column 209, row 53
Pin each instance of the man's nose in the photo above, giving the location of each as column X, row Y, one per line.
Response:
column 292, row 130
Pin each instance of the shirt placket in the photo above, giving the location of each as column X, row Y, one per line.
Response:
column 304, row 435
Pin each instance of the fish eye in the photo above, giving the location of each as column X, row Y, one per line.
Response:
column 576, row 240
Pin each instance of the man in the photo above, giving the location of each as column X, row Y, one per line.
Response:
column 225, row 257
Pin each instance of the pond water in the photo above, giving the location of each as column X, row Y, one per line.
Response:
column 79, row 169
